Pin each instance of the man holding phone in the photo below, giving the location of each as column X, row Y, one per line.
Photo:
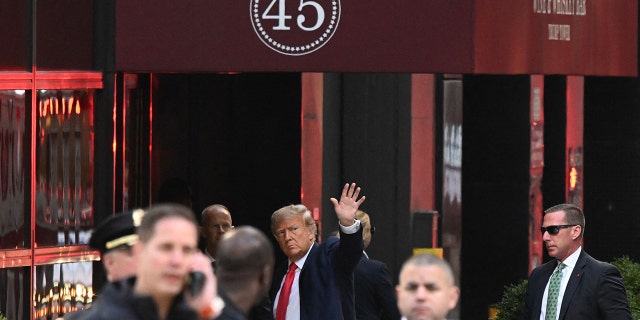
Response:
column 167, row 260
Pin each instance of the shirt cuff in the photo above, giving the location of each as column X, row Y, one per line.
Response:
column 213, row 310
column 352, row 228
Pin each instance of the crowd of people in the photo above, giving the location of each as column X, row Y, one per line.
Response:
column 161, row 264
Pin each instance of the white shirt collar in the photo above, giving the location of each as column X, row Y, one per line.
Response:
column 301, row 261
column 572, row 259
column 211, row 258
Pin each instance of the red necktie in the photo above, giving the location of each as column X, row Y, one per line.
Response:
column 283, row 300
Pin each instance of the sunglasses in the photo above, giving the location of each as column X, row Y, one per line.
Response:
column 553, row 230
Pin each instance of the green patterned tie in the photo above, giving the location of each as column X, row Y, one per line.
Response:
column 554, row 289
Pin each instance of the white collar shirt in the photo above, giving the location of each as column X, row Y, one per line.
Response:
column 570, row 264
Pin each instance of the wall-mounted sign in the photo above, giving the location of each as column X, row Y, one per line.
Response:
column 595, row 37
column 295, row 28
column 576, row 37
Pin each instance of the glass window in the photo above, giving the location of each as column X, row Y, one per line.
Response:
column 13, row 171
column 64, row 166
column 15, row 292
column 62, row 163
column 62, row 288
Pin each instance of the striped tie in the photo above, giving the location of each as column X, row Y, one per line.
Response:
column 554, row 289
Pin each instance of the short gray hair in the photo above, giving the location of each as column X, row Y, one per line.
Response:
column 292, row 211
column 573, row 214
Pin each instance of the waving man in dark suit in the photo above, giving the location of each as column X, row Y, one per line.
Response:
column 584, row 287
column 316, row 282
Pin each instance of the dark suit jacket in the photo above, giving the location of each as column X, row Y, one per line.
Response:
column 594, row 291
column 326, row 279
column 118, row 301
column 375, row 295
column 229, row 312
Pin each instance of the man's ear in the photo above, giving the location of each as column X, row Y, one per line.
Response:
column 265, row 276
column 201, row 231
column 136, row 248
column 454, row 296
column 576, row 231
column 107, row 260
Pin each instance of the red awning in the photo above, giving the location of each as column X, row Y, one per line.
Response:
column 576, row 37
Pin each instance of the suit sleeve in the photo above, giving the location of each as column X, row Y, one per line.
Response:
column 386, row 293
column 526, row 307
column 612, row 297
column 345, row 260
column 349, row 251
column 528, row 311
column 262, row 311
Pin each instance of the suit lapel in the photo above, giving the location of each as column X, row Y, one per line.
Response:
column 545, row 275
column 573, row 284
column 310, row 260
column 281, row 272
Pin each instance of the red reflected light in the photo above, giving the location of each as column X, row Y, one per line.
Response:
column 573, row 178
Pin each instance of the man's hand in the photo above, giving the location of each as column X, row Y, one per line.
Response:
column 209, row 293
column 348, row 205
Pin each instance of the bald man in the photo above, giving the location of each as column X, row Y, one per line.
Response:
column 244, row 270
column 216, row 221
column 427, row 289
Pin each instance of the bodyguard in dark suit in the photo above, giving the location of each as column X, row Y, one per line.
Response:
column 375, row 295
column 588, row 288
column 374, row 292
column 321, row 277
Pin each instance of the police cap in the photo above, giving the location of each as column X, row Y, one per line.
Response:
column 118, row 230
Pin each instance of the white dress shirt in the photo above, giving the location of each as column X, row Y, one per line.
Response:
column 570, row 263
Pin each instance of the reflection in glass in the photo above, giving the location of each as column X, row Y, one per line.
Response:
column 62, row 288
column 64, row 167
column 12, row 168
column 12, row 295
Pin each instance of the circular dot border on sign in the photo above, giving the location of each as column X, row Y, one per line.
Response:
column 290, row 50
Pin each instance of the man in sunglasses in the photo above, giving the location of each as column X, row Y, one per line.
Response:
column 573, row 285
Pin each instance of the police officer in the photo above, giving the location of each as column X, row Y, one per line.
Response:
column 168, row 265
column 114, row 238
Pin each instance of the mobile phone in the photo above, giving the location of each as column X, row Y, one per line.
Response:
column 194, row 283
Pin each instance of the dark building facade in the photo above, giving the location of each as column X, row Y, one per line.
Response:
column 461, row 123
